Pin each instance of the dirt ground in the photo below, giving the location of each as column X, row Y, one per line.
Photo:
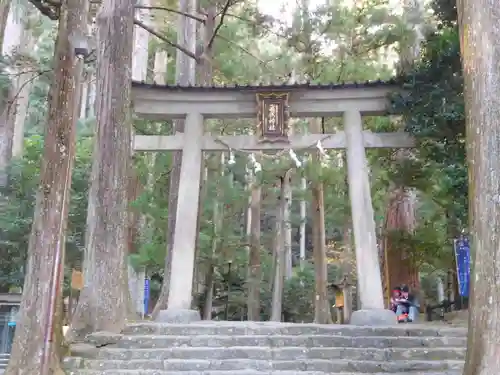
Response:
column 454, row 318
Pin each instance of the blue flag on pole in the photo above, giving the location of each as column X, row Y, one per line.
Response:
column 146, row 296
column 462, row 257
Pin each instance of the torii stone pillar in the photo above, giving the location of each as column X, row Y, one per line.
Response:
column 363, row 222
column 184, row 244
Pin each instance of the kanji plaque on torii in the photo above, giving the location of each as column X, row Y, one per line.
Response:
column 272, row 112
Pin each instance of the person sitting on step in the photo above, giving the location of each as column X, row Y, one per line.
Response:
column 407, row 304
column 396, row 294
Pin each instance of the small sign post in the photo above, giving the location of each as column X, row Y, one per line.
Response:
column 76, row 280
column 462, row 256
column 146, row 296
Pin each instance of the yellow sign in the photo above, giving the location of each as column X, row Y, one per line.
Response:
column 339, row 299
column 76, row 280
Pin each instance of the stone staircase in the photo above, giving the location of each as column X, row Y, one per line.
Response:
column 250, row 348
column 4, row 361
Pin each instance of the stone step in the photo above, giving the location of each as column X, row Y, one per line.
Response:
column 288, row 353
column 289, row 329
column 327, row 366
column 306, row 340
column 241, row 372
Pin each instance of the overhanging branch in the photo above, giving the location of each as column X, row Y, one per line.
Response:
column 241, row 48
column 219, row 25
column 162, row 38
column 49, row 8
column 171, row 10
column 256, row 23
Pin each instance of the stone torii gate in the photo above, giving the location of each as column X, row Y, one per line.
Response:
column 272, row 105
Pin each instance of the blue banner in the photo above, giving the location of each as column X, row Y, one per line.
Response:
column 146, row 296
column 462, row 257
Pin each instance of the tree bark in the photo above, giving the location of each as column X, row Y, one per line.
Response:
column 84, row 96
column 218, row 212
column 185, row 69
column 6, row 133
column 42, row 287
column 254, row 268
column 105, row 301
column 4, row 14
column 287, row 222
column 23, row 86
column 205, row 73
column 140, row 57
column 303, row 222
column 322, row 313
column 399, row 266
column 480, row 45
column 92, row 95
column 349, row 274
column 280, row 254
column 141, row 44
column 8, row 100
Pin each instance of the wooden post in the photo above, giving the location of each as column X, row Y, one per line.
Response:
column 347, row 311
column 183, row 250
column 367, row 262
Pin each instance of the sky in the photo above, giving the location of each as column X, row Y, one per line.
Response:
column 275, row 7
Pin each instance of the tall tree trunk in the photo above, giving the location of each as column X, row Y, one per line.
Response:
column 141, row 44
column 303, row 222
column 185, row 72
column 139, row 73
column 205, row 72
column 4, row 14
column 349, row 254
column 413, row 20
column 399, row 267
column 23, row 87
column 287, row 215
column 349, row 274
column 480, row 45
column 216, row 240
column 105, row 299
column 13, row 29
column 254, row 267
column 6, row 133
column 84, row 96
column 280, row 251
column 287, row 222
column 92, row 95
column 322, row 313
column 43, row 282
column 8, row 105
column 280, row 254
